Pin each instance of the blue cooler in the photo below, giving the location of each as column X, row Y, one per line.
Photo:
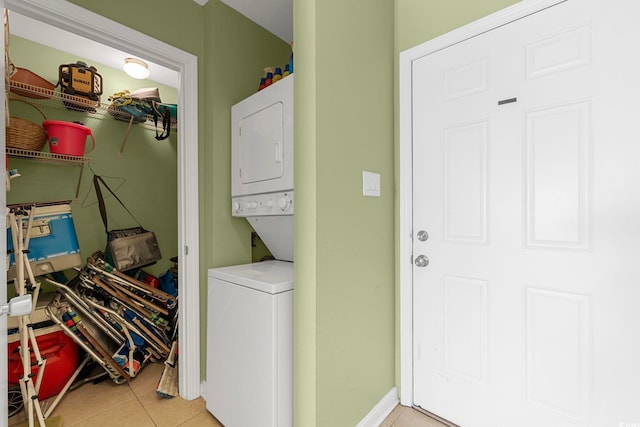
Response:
column 53, row 245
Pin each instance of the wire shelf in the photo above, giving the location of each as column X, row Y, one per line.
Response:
column 92, row 109
column 46, row 157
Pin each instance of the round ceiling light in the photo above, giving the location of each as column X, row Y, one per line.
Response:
column 136, row 68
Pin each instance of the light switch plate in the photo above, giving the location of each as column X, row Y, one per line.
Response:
column 370, row 184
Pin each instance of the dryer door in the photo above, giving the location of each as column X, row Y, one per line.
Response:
column 262, row 141
column 261, row 144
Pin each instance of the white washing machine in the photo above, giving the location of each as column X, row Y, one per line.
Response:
column 250, row 307
column 250, row 344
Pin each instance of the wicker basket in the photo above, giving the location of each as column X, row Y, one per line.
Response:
column 25, row 134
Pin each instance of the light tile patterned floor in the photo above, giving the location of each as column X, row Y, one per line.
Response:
column 128, row 405
column 137, row 405
column 403, row 416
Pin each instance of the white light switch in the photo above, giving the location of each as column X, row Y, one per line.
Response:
column 370, row 184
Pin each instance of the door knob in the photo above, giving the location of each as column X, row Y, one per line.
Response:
column 422, row 235
column 421, row 261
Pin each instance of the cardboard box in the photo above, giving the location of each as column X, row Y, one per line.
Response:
column 53, row 245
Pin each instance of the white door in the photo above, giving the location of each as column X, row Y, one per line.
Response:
column 526, row 180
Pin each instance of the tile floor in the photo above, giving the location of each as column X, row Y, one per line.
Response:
column 137, row 405
column 128, row 405
column 403, row 416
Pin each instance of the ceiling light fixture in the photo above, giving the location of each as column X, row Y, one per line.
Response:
column 136, row 68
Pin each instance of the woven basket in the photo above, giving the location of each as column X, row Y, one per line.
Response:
column 25, row 134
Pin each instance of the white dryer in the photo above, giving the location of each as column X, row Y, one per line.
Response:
column 262, row 141
column 262, row 165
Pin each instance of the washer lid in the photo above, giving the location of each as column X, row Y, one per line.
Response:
column 272, row 277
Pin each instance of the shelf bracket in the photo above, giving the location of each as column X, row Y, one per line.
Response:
column 126, row 135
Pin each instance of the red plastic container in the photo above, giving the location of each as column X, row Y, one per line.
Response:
column 61, row 353
column 67, row 138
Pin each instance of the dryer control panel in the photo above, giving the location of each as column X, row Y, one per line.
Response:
column 280, row 203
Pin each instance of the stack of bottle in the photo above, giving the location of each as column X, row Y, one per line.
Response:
column 272, row 75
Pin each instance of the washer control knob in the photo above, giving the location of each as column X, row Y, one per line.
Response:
column 269, row 203
column 252, row 205
column 284, row 202
column 236, row 207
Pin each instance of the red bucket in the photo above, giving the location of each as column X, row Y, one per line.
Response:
column 67, row 138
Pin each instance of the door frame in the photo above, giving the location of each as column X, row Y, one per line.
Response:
column 90, row 25
column 405, row 227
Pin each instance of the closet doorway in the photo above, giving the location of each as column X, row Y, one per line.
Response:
column 96, row 28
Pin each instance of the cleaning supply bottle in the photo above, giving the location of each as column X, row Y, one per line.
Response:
column 268, row 80
column 286, row 71
column 262, row 83
column 291, row 60
column 277, row 75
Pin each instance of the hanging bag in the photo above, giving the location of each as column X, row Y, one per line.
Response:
column 166, row 112
column 127, row 248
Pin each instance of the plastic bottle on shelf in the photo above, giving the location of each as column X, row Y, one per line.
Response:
column 286, row 71
column 277, row 75
column 262, row 83
column 268, row 80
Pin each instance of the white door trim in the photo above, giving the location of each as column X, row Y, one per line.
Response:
column 497, row 19
column 75, row 19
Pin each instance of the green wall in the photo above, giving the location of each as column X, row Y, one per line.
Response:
column 344, row 297
column 236, row 51
column 232, row 52
column 145, row 174
column 180, row 24
column 417, row 21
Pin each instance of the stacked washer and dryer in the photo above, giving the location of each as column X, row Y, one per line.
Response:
column 250, row 306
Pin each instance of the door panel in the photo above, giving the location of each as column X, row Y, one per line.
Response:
column 525, row 163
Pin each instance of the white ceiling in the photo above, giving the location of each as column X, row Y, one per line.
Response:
column 276, row 16
column 56, row 38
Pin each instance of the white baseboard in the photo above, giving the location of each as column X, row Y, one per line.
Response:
column 203, row 389
column 378, row 414
column 374, row 418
